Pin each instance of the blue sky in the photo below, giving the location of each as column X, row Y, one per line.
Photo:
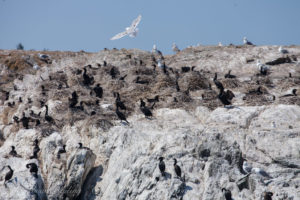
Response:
column 88, row 24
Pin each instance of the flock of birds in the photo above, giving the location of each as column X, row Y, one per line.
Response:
column 225, row 97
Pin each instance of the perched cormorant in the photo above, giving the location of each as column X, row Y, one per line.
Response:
column 268, row 195
column 47, row 117
column 120, row 103
column 142, row 103
column 146, row 111
column 87, row 80
column 80, row 146
column 228, row 75
column 74, row 100
column 20, row 99
column 177, row 168
column 122, row 77
column 153, row 100
column 98, row 90
column 33, row 169
column 113, row 73
column 121, row 115
column 185, row 69
column 60, row 151
column 11, row 104
column 36, row 149
column 225, row 97
column 177, row 86
column 141, row 81
column 78, row 71
column 227, row 194
column 218, row 83
column 25, row 121
column 8, row 174
column 162, row 166
column 13, row 152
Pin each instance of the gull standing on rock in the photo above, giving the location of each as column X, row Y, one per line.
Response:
column 246, row 167
column 131, row 31
column 175, row 48
column 282, row 50
column 246, row 42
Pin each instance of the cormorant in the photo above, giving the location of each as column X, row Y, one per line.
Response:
column 43, row 90
column 225, row 97
column 11, row 104
column 98, row 90
column 177, row 168
column 47, row 117
column 20, row 99
column 162, row 166
column 122, row 77
column 29, row 100
column 87, row 80
column 113, row 73
column 32, row 114
column 25, row 121
column 13, row 152
column 146, row 111
column 218, row 83
column 268, row 195
column 74, row 100
column 81, row 146
column 185, row 69
column 153, row 100
column 8, row 174
column 120, row 103
column 142, row 103
column 33, row 169
column 228, row 75
column 121, row 115
column 141, row 81
column 60, row 151
column 227, row 194
column 177, row 86
column 78, row 71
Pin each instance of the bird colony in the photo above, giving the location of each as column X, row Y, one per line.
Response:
column 208, row 122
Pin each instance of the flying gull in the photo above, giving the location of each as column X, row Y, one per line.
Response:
column 131, row 30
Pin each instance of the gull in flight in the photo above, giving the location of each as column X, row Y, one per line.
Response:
column 132, row 30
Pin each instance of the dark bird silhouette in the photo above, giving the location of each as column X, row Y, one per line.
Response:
column 185, row 69
column 279, row 61
column 122, row 77
column 6, row 96
column 80, row 146
column 11, row 104
column 156, row 99
column 121, row 115
column 43, row 90
column 146, row 111
column 32, row 114
column 78, row 71
column 20, row 99
column 228, row 75
column 9, row 174
column 294, row 93
column 48, row 118
column 13, row 152
column 37, row 122
column 74, row 100
column 29, row 100
column 16, row 119
column 225, row 97
column 36, row 149
column 218, row 83
column 87, row 80
column 177, row 168
column 227, row 194
column 98, row 91
column 142, row 103
column 120, row 103
column 268, row 195
column 177, row 86
column 60, row 151
column 25, row 121
column 162, row 166
column 33, row 169
column 42, row 103
column 141, row 81
column 113, row 73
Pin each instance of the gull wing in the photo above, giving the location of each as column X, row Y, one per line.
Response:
column 119, row 35
column 135, row 22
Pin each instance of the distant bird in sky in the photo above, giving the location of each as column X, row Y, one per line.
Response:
column 132, row 30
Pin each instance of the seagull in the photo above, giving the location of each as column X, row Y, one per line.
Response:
column 220, row 44
column 36, row 67
column 262, row 68
column 246, row 41
column 246, row 167
column 175, row 48
column 132, row 30
column 281, row 50
column 260, row 172
column 154, row 48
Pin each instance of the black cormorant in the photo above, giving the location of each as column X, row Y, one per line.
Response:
column 156, row 99
column 98, row 90
column 228, row 75
column 121, row 115
column 60, row 151
column 13, row 152
column 8, row 174
column 122, row 77
column 225, row 97
column 142, row 103
column 33, row 169
column 162, row 166
column 87, row 80
column 177, row 168
column 218, row 83
column 120, row 103
column 227, row 194
column 146, row 111
column 268, row 195
column 48, row 118
column 141, row 81
column 25, row 121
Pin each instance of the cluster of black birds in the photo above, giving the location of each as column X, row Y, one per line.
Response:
column 162, row 167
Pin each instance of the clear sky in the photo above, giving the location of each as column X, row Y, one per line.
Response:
column 89, row 24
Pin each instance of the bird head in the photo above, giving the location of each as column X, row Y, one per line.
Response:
column 161, row 158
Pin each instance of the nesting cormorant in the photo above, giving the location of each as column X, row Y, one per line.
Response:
column 13, row 152
column 121, row 115
column 48, row 118
column 33, row 169
column 153, row 100
column 218, row 83
column 227, row 194
column 9, row 174
column 162, row 166
column 98, row 90
column 141, row 81
column 225, row 97
column 268, row 195
column 177, row 168
column 228, row 75
column 60, row 151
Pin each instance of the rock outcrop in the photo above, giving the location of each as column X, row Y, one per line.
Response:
column 119, row 160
